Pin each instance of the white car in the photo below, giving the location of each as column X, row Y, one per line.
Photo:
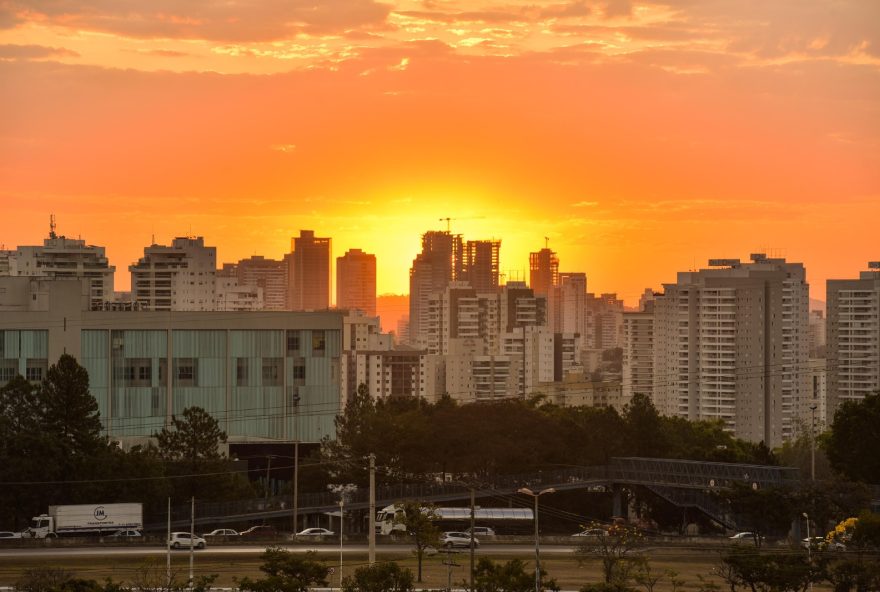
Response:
column 180, row 540
column 126, row 534
column 221, row 532
column 481, row 531
column 315, row 532
column 8, row 534
column 591, row 532
column 457, row 539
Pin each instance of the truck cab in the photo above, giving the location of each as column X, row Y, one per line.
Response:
column 42, row 526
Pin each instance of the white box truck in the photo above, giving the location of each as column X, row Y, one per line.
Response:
column 86, row 520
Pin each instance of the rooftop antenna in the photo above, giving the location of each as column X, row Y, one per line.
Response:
column 52, row 226
column 546, row 242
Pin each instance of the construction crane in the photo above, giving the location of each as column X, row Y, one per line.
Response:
column 449, row 220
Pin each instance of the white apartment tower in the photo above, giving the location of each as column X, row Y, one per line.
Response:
column 638, row 352
column 732, row 343
column 60, row 257
column 269, row 275
column 853, row 338
column 180, row 277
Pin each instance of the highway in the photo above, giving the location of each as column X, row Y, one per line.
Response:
column 148, row 550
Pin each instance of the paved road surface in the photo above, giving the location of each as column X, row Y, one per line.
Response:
column 124, row 550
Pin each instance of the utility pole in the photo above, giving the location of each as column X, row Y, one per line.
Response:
column 341, row 514
column 473, row 495
column 192, row 533
column 295, row 487
column 168, row 549
column 372, row 523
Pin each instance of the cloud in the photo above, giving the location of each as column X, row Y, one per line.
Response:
column 285, row 148
column 585, row 204
column 234, row 20
column 165, row 53
column 34, row 52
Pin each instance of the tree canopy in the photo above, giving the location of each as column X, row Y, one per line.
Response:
column 854, row 440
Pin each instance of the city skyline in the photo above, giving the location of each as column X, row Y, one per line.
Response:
column 641, row 136
column 817, row 288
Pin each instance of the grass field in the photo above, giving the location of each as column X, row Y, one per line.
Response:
column 569, row 573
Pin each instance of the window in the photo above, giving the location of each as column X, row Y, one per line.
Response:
column 272, row 371
column 186, row 372
column 241, row 372
column 299, row 371
column 318, row 344
column 292, row 342
column 8, row 371
column 34, row 374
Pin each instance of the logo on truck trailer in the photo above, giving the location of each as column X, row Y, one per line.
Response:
column 99, row 513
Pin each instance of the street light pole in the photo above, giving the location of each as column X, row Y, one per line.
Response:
column 809, row 547
column 341, row 513
column 527, row 491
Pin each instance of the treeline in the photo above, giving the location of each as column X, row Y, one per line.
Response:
column 52, row 452
column 413, row 439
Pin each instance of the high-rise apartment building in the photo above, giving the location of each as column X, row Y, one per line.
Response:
column 179, row 277
column 853, row 338
column 732, row 343
column 439, row 263
column 309, row 272
column 568, row 304
column 481, row 265
column 269, row 275
column 638, row 352
column 60, row 257
column 603, row 322
column 543, row 271
column 356, row 282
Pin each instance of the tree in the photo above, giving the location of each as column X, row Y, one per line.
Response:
column 506, row 577
column 618, row 550
column 191, row 447
column 286, row 572
column 644, row 429
column 854, row 439
column 381, row 577
column 749, row 569
column 194, row 437
column 419, row 522
column 69, row 409
column 762, row 511
column 22, row 440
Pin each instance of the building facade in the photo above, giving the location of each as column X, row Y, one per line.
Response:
column 439, row 262
column 732, row 343
column 309, row 272
column 181, row 277
column 853, row 338
column 269, row 275
column 61, row 258
column 356, row 282
column 264, row 377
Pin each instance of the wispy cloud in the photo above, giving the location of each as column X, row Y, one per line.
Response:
column 34, row 52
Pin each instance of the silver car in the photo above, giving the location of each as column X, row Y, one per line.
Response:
column 457, row 539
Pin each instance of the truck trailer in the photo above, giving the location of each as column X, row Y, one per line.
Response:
column 86, row 520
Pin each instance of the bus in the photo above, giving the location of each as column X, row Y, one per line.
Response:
column 389, row 519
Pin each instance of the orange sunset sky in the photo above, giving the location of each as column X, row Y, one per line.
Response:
column 642, row 137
